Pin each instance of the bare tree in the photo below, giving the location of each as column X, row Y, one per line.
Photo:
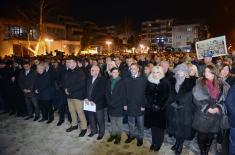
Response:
column 34, row 16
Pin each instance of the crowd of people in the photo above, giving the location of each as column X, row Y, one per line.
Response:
column 169, row 93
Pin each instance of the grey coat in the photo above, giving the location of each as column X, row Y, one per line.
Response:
column 203, row 102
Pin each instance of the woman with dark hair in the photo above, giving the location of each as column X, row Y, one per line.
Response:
column 223, row 136
column 209, row 95
column 225, row 74
column 115, row 96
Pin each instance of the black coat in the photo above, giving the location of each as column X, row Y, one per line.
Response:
column 2, row 80
column 74, row 81
column 96, row 92
column 135, row 95
column 157, row 96
column 17, row 93
column 230, row 103
column 170, row 77
column 230, row 80
column 52, row 74
column 60, row 73
column 44, row 87
column 180, row 112
column 116, row 99
column 27, row 82
column 125, row 71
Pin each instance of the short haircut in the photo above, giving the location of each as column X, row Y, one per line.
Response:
column 135, row 64
column 72, row 57
column 114, row 68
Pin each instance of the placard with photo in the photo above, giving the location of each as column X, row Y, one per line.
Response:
column 214, row 47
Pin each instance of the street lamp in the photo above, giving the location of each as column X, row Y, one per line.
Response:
column 49, row 41
column 133, row 49
column 142, row 46
column 109, row 43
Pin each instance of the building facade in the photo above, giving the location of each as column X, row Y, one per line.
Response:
column 185, row 36
column 59, row 33
column 157, row 33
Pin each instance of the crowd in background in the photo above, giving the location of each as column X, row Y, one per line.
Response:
column 168, row 93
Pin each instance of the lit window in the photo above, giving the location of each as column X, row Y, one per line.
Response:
column 189, row 29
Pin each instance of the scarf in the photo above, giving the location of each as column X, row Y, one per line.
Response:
column 179, row 81
column 213, row 90
column 114, row 82
column 152, row 80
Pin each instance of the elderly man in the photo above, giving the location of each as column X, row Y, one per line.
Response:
column 96, row 95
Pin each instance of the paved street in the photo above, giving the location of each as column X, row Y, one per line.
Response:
column 19, row 137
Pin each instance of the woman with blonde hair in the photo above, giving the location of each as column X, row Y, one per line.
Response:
column 110, row 65
column 157, row 93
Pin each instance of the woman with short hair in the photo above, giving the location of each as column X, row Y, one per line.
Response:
column 115, row 96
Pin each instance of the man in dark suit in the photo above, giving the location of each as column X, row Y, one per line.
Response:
column 96, row 95
column 43, row 90
column 52, row 74
column 135, row 104
column 18, row 96
column 26, row 81
column 60, row 72
column 3, row 86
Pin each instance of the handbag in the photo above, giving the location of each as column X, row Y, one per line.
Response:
column 206, row 122
column 224, row 121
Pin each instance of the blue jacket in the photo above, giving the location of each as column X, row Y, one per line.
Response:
column 231, row 106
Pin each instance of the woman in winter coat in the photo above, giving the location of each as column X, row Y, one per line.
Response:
column 209, row 95
column 223, row 136
column 157, row 93
column 180, row 111
column 225, row 74
column 115, row 96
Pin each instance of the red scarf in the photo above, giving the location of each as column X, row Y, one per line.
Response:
column 213, row 90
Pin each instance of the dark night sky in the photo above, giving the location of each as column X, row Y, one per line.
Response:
column 220, row 14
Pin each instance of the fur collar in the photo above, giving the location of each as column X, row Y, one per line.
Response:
column 201, row 93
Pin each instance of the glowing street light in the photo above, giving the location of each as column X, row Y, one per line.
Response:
column 142, row 46
column 49, row 41
column 133, row 49
column 109, row 43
